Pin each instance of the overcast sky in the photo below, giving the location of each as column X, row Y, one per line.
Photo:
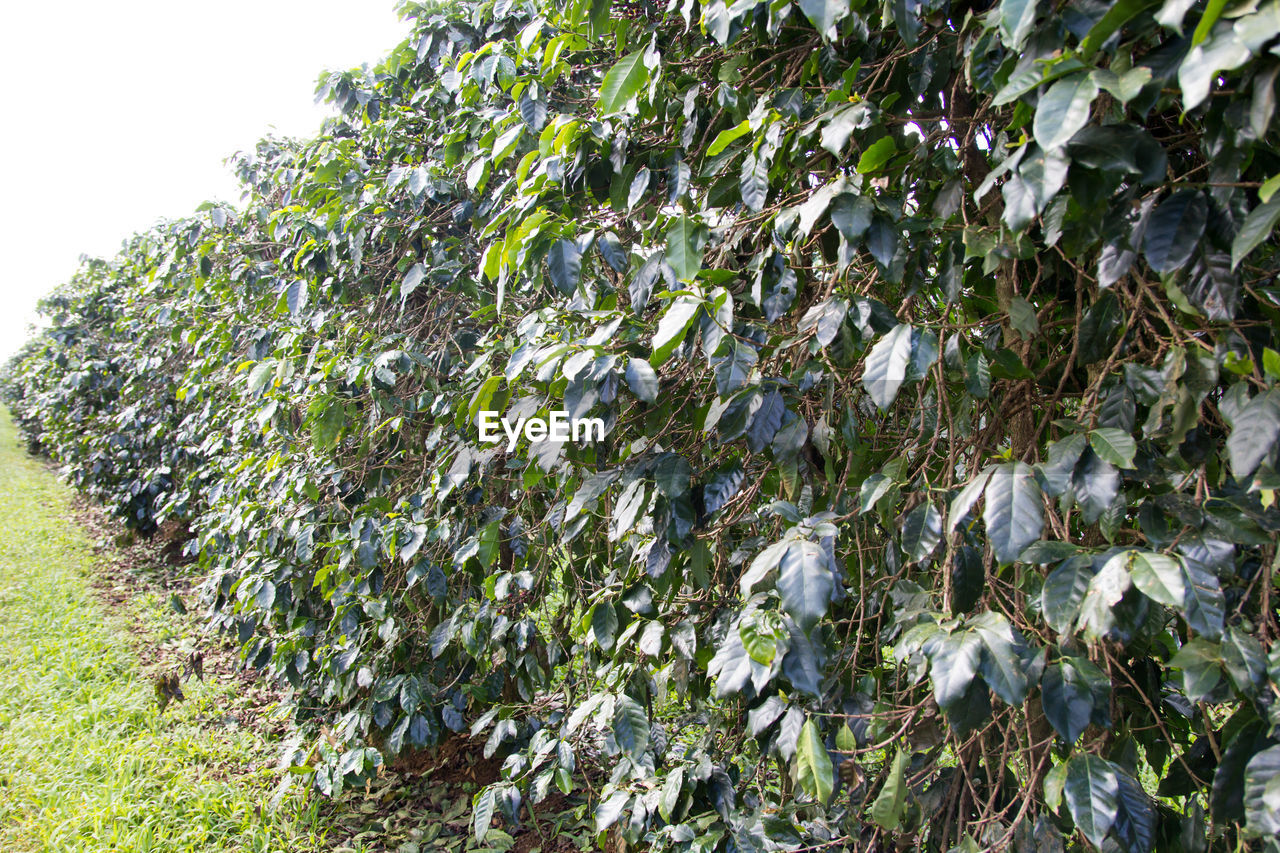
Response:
column 120, row 112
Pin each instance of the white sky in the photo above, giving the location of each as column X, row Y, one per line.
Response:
column 120, row 112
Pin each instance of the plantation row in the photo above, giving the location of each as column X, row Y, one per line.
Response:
column 936, row 352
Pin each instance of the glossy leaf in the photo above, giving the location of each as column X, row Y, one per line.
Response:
column 886, row 366
column 1253, row 433
column 624, row 81
column 1257, row 227
column 1064, row 109
column 805, row 582
column 813, row 766
column 1174, row 230
column 887, row 810
column 1013, row 516
column 1092, row 791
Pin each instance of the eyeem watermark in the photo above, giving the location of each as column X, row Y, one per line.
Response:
column 558, row 427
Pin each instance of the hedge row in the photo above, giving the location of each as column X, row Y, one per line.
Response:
column 937, row 354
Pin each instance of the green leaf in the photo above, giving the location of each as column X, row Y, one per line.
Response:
column 1074, row 694
column 1126, row 86
column 725, row 138
column 296, row 296
column 1022, row 317
column 533, row 111
column 761, row 644
column 1135, row 824
column 1040, row 175
column 837, row 129
column 1054, row 781
column 777, row 300
column 1212, row 287
column 1158, row 577
column 1201, row 665
column 1003, row 665
column 964, row 499
column 624, row 81
column 1092, row 789
column 1223, row 52
column 968, row 579
column 851, row 215
column 1244, row 660
column 329, row 417
column 412, row 278
column 671, row 474
column 564, row 263
column 1008, row 365
column 1271, row 362
column 1267, row 191
column 1013, row 515
column 733, row 369
column 722, row 487
column 882, row 240
column 1064, row 591
column 630, row 726
column 1114, row 445
column 1257, row 227
column 813, row 771
column 953, row 662
column 906, row 17
column 1106, row 588
column 1172, row 13
column 1063, row 110
column 604, row 624
column 824, row 319
column 672, row 790
column 482, row 808
column 1174, row 230
column 753, row 184
column 589, row 493
column 886, row 366
column 642, row 380
column 685, row 240
column 672, row 327
column 1114, row 19
column 1100, row 329
column 805, row 582
column 977, row 376
column 731, row 666
column 876, row 155
column 891, row 802
column 1254, row 30
column 1204, row 603
column 767, row 420
column 262, row 376
column 825, row 14
column 1036, row 75
column 1262, row 793
column 1017, row 17
column 921, row 532
column 639, row 184
column 1253, row 433
column 627, row 508
column 610, row 809
column 1096, row 483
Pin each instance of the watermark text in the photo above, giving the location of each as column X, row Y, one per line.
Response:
column 557, row 426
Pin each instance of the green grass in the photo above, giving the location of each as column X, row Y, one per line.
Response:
column 86, row 762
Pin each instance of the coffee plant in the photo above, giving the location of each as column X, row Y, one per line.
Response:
column 938, row 350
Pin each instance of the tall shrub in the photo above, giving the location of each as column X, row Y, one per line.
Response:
column 936, row 346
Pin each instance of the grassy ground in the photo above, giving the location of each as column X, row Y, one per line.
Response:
column 86, row 761
column 89, row 763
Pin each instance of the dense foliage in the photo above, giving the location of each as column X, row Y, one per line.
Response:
column 939, row 355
